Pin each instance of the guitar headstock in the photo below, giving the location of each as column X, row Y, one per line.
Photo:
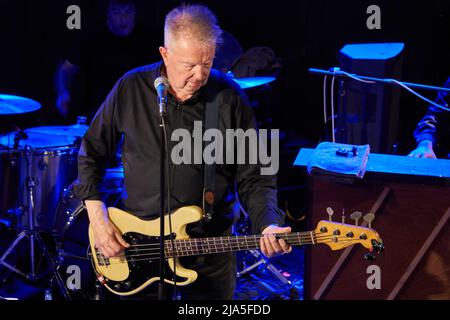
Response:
column 339, row 235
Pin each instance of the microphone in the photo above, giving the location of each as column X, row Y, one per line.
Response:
column 161, row 85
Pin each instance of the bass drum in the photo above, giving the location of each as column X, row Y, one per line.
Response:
column 72, row 242
column 10, row 180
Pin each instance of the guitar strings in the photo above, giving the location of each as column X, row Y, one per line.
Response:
column 155, row 251
column 237, row 241
column 234, row 238
column 181, row 244
column 156, row 257
column 302, row 236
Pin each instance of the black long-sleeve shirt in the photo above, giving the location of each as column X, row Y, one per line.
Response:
column 435, row 119
column 131, row 110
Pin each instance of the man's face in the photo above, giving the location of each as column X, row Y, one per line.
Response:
column 188, row 64
column 121, row 19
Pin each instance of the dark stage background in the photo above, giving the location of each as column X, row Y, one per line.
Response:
column 303, row 34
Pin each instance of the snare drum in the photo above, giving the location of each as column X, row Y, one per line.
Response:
column 53, row 170
column 53, row 163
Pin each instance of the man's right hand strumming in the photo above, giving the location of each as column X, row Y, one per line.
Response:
column 108, row 238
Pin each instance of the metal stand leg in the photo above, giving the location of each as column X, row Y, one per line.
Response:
column 3, row 262
column 33, row 236
column 54, row 268
column 262, row 260
column 268, row 266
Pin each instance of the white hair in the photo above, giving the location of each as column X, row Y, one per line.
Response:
column 194, row 21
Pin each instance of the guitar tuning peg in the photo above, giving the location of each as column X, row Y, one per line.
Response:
column 356, row 216
column 330, row 213
column 378, row 247
column 369, row 257
column 369, row 218
column 343, row 215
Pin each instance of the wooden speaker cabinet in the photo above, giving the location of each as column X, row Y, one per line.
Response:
column 411, row 202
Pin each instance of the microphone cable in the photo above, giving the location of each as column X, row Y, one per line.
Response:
column 404, row 86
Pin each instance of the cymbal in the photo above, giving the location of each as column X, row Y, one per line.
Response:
column 251, row 82
column 76, row 130
column 10, row 104
column 37, row 140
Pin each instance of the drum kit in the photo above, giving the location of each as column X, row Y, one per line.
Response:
column 37, row 168
column 36, row 165
column 259, row 92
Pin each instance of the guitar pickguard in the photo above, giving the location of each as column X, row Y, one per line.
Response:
column 143, row 262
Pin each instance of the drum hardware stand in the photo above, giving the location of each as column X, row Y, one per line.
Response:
column 263, row 261
column 33, row 236
column 267, row 265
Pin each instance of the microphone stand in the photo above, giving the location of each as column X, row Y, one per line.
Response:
column 336, row 72
column 162, row 101
column 19, row 135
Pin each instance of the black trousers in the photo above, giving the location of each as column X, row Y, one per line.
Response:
column 216, row 280
column 216, row 277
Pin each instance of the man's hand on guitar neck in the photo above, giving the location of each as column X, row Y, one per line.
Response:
column 270, row 245
column 108, row 238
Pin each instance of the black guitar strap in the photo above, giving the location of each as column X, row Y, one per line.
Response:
column 209, row 170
